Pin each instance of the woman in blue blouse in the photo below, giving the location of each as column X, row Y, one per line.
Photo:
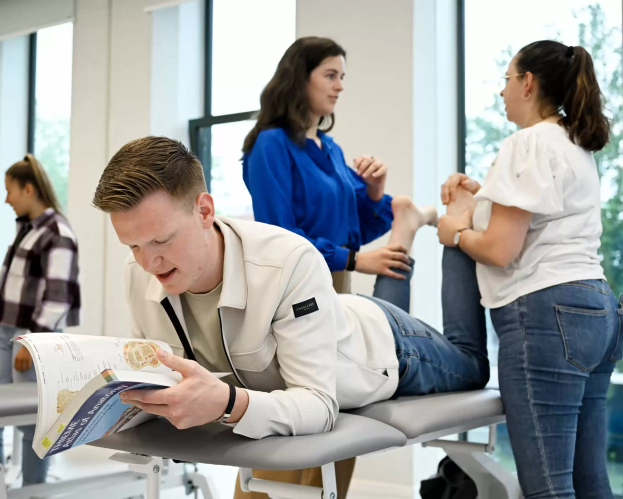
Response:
column 298, row 177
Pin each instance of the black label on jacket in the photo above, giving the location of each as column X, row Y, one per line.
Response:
column 305, row 307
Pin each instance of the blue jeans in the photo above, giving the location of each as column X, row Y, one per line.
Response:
column 431, row 362
column 34, row 470
column 557, row 351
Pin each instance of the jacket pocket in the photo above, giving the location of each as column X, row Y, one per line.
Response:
column 584, row 335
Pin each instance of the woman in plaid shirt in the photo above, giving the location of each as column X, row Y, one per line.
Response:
column 39, row 289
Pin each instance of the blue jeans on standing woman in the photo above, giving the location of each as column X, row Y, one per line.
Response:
column 558, row 348
column 34, row 470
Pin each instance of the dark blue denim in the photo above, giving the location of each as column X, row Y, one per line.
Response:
column 558, row 348
column 431, row 362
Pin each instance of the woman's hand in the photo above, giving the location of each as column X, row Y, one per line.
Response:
column 383, row 260
column 23, row 360
column 374, row 173
column 448, row 190
column 449, row 225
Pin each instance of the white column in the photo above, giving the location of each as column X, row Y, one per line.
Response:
column 13, row 121
column 129, row 118
column 110, row 106
column 89, row 152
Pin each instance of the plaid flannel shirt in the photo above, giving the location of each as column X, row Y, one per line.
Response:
column 39, row 288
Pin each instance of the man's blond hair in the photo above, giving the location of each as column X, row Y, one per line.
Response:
column 145, row 166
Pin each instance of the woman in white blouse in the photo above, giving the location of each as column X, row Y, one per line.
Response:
column 533, row 229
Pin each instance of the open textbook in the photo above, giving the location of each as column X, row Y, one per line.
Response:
column 80, row 379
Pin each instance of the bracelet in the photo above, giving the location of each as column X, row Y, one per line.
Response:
column 230, row 405
column 352, row 261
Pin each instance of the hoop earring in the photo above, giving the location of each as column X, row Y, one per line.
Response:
column 526, row 97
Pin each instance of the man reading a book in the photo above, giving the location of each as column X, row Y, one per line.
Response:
column 257, row 301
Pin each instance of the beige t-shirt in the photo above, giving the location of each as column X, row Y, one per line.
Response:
column 204, row 329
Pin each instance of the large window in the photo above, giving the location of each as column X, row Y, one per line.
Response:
column 244, row 41
column 494, row 31
column 50, row 110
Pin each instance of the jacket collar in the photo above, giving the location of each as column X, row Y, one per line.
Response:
column 234, row 292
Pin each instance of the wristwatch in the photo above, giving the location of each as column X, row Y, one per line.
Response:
column 457, row 236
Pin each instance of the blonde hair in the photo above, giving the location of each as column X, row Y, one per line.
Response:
column 30, row 171
column 148, row 165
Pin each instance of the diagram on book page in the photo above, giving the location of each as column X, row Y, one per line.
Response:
column 63, row 399
column 139, row 355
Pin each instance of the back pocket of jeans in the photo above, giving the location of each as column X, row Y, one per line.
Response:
column 617, row 354
column 584, row 334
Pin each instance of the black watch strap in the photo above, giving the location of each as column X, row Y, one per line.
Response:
column 230, row 404
column 352, row 261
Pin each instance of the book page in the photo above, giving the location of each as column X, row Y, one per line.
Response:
column 67, row 362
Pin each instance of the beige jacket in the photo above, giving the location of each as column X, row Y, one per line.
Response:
column 295, row 366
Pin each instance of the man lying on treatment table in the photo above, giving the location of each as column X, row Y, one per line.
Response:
column 257, row 301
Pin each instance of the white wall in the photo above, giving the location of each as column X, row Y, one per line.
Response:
column 130, row 118
column 22, row 17
column 89, row 152
column 110, row 106
column 399, row 104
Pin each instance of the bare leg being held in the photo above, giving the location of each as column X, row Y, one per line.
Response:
column 408, row 219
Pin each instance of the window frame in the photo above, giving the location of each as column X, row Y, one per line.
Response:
column 32, row 85
column 209, row 120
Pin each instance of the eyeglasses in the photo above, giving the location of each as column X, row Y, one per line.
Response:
column 508, row 77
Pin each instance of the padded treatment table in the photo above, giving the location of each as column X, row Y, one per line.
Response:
column 427, row 417
column 148, row 448
column 218, row 444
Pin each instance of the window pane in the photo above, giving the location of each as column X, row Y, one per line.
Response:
column 231, row 196
column 53, row 104
column 249, row 38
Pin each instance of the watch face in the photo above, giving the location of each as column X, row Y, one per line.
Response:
column 457, row 238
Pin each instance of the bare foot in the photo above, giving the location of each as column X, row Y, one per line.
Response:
column 464, row 201
column 408, row 218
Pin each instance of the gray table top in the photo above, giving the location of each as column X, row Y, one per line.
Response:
column 17, row 399
column 417, row 416
column 217, row 444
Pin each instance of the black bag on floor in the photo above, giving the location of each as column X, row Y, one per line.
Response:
column 450, row 482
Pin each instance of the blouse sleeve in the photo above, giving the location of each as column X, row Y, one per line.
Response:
column 526, row 174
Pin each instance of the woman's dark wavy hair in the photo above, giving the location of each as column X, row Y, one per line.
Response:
column 568, row 85
column 284, row 103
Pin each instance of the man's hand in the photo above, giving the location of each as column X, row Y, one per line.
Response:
column 199, row 399
column 374, row 173
column 23, row 360
column 383, row 260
